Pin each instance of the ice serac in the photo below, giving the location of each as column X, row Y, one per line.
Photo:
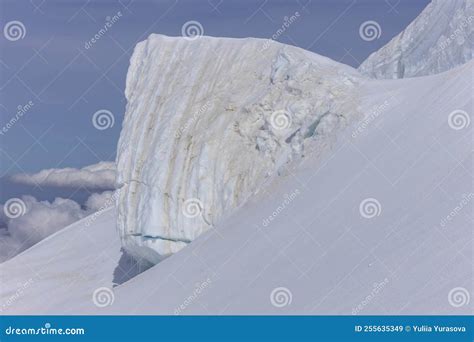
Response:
column 439, row 39
column 208, row 121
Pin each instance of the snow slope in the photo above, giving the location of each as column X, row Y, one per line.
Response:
column 378, row 222
column 208, row 122
column 65, row 268
column 440, row 38
column 321, row 246
column 305, row 244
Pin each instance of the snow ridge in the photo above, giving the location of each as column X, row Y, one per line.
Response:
column 439, row 39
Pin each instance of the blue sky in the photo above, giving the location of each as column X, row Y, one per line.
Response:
column 68, row 83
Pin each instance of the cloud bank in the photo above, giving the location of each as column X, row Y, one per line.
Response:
column 96, row 176
column 39, row 219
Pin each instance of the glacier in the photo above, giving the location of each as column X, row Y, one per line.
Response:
column 321, row 250
column 440, row 38
column 319, row 247
column 414, row 158
column 208, row 122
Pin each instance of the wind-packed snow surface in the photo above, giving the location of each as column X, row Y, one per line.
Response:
column 440, row 38
column 380, row 224
column 208, row 122
column 64, row 269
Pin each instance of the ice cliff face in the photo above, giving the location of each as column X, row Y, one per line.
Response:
column 208, row 121
column 440, row 38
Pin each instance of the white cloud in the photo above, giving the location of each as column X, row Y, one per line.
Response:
column 96, row 176
column 43, row 218
column 98, row 201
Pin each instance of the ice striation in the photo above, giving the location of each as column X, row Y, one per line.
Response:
column 440, row 38
column 208, row 122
